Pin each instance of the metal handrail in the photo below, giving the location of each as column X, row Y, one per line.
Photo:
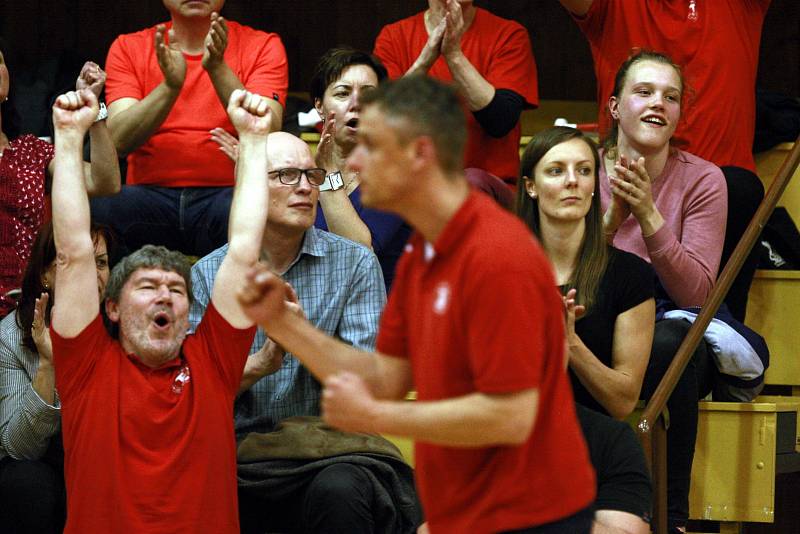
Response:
column 647, row 425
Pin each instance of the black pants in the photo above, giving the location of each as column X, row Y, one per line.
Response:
column 745, row 193
column 694, row 384
column 339, row 500
column 578, row 523
column 32, row 495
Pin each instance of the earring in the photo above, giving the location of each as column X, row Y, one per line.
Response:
column 46, row 286
column 592, row 193
column 532, row 194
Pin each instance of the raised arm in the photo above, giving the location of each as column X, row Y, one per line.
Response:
column 76, row 277
column 577, row 7
column 363, row 388
column 222, row 77
column 340, row 215
column 102, row 174
column 250, row 115
column 133, row 121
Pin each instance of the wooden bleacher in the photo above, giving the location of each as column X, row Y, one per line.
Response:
column 742, row 447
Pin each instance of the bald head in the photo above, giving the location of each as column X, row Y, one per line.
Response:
column 287, row 150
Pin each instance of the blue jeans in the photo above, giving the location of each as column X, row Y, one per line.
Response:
column 193, row 220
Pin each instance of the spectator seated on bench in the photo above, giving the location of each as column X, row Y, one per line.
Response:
column 168, row 86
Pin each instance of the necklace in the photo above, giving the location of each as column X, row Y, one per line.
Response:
column 347, row 189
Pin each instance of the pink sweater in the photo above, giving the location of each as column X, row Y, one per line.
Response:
column 692, row 197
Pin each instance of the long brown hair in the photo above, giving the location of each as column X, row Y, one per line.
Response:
column 637, row 55
column 43, row 253
column 593, row 254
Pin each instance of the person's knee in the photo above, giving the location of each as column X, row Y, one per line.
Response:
column 744, row 188
column 339, row 482
column 667, row 338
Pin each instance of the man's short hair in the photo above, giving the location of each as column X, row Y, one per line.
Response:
column 149, row 257
column 424, row 107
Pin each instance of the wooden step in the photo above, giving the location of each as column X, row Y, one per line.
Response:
column 740, row 449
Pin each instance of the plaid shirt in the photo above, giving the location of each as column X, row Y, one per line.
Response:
column 341, row 291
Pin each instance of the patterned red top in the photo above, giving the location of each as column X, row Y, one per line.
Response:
column 22, row 208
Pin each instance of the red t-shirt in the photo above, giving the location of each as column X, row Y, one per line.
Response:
column 478, row 312
column 23, row 167
column 719, row 55
column 500, row 51
column 142, row 454
column 181, row 153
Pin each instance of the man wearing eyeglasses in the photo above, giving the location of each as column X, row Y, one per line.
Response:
column 337, row 284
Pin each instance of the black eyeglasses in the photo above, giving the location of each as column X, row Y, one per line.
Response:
column 291, row 175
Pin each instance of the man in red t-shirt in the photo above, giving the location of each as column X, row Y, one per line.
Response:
column 167, row 88
column 716, row 44
column 488, row 58
column 146, row 413
column 473, row 323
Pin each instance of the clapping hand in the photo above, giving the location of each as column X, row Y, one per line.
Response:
column 216, row 42
column 455, row 28
column 40, row 332
column 170, row 57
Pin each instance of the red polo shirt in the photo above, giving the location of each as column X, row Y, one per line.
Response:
column 143, row 453
column 478, row 312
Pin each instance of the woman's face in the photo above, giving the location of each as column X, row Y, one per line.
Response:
column 100, row 262
column 563, row 182
column 649, row 106
column 342, row 99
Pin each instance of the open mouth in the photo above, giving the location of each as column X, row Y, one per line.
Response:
column 658, row 121
column 352, row 123
column 162, row 320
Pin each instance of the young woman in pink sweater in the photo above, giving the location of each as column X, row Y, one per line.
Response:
column 668, row 207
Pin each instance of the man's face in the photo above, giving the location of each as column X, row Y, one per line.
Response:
column 381, row 160
column 291, row 207
column 193, row 8
column 153, row 315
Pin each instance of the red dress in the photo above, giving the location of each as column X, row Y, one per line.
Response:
column 22, row 208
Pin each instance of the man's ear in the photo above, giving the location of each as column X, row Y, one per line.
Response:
column 422, row 151
column 112, row 310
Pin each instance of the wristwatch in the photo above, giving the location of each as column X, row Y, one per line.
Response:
column 333, row 182
column 102, row 113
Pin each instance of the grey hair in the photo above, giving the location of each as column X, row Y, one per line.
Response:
column 149, row 257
